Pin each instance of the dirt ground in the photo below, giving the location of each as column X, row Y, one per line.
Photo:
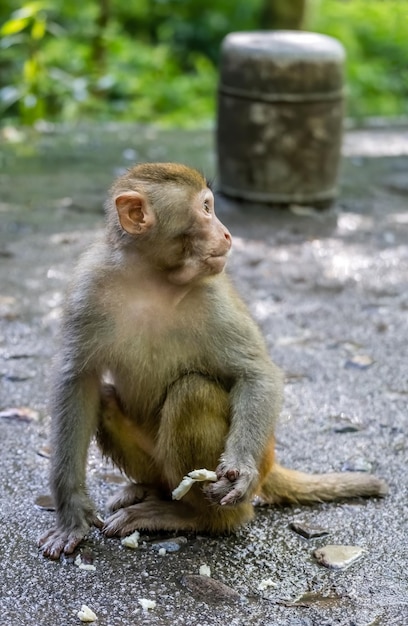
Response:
column 330, row 292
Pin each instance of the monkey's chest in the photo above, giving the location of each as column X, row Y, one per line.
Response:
column 148, row 355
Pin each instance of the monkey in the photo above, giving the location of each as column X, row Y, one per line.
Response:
column 161, row 360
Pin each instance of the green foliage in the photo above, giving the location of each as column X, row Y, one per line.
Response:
column 156, row 60
column 145, row 61
column 375, row 36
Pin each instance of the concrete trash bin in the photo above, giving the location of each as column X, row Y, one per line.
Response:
column 280, row 116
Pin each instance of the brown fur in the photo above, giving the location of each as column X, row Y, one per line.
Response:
column 192, row 383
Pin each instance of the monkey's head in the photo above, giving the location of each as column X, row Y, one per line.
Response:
column 165, row 213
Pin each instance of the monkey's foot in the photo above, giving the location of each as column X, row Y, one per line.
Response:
column 59, row 540
column 131, row 493
column 150, row 515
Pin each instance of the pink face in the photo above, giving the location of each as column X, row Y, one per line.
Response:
column 200, row 249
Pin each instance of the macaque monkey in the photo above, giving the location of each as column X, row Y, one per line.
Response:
column 161, row 360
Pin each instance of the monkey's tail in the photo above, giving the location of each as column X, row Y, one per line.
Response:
column 287, row 486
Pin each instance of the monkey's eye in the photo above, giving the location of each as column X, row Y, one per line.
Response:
column 207, row 206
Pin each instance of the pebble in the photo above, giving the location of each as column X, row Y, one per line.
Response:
column 359, row 361
column 45, row 503
column 208, row 589
column 44, row 451
column 337, row 556
column 308, row 532
column 21, row 413
column 346, row 424
column 310, row 598
column 357, row 465
column 169, row 545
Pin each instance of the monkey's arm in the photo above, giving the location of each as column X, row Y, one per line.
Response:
column 255, row 404
column 256, row 398
column 75, row 399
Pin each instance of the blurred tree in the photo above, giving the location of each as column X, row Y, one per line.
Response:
column 156, row 60
column 98, row 44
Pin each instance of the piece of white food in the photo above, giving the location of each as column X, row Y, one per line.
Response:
column 200, row 475
column 265, row 583
column 86, row 614
column 131, row 541
column 147, row 604
column 205, row 570
column 87, row 566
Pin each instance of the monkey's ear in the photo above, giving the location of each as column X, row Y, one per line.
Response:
column 135, row 215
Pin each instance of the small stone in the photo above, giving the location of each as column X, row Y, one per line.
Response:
column 45, row 503
column 310, row 598
column 346, row 424
column 337, row 556
column 307, row 531
column 162, row 552
column 44, row 451
column 357, row 465
column 22, row 413
column 359, row 361
column 208, row 589
column 169, row 545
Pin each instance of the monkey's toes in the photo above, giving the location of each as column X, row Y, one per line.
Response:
column 130, row 494
column 120, row 524
column 57, row 541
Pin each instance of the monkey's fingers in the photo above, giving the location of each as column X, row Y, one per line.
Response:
column 233, row 497
column 219, row 491
column 234, row 484
column 222, row 471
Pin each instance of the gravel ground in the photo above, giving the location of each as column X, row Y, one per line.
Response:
column 329, row 289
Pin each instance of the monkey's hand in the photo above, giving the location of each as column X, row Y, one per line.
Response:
column 236, row 482
column 68, row 534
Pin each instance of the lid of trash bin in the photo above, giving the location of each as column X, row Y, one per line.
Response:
column 281, row 62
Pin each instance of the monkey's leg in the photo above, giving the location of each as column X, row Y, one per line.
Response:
column 129, row 448
column 193, row 428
